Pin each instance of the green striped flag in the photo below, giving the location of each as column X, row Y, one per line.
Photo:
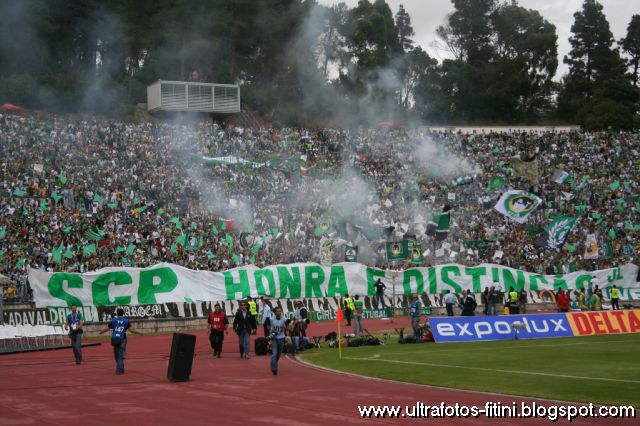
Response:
column 3, row 232
column 19, row 192
column 130, row 249
column 67, row 230
column 98, row 199
column 56, row 197
column 62, row 179
column 88, row 249
column 68, row 253
column 119, row 249
column 176, row 221
column 57, row 254
column 92, row 235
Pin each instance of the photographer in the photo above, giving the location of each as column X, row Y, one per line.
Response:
column 277, row 338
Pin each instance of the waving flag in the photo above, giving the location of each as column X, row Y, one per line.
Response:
column 518, row 205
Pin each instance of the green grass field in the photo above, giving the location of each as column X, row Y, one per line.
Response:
column 599, row 369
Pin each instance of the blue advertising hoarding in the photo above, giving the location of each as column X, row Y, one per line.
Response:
column 485, row 328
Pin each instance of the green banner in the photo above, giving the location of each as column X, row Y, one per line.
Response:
column 168, row 283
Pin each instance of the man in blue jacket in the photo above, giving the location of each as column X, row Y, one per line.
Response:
column 119, row 326
column 74, row 325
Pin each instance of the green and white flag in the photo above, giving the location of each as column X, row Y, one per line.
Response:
column 397, row 251
column 556, row 232
column 496, row 183
column 247, row 240
column 438, row 226
column 560, row 176
column 323, row 226
column 416, row 255
column 92, row 235
column 518, row 205
column 351, row 253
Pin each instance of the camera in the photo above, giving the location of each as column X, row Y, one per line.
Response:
column 271, row 336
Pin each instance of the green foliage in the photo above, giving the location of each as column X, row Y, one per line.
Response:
column 597, row 93
column 631, row 46
column 99, row 56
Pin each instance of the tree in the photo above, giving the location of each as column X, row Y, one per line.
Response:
column 405, row 30
column 468, row 30
column 419, row 66
column 596, row 73
column 524, row 64
column 631, row 46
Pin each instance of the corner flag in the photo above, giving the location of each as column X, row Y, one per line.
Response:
column 339, row 317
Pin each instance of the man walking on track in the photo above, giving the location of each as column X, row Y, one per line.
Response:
column 244, row 324
column 266, row 317
column 277, row 342
column 218, row 324
column 74, row 324
column 119, row 326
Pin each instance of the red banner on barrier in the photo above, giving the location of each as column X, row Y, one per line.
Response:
column 604, row 322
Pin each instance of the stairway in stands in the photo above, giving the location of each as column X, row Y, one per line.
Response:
column 250, row 119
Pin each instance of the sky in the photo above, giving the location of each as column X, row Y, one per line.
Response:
column 427, row 15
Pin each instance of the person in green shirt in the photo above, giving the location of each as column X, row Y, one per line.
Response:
column 253, row 307
column 596, row 303
column 514, row 308
column 615, row 296
column 348, row 308
column 357, row 318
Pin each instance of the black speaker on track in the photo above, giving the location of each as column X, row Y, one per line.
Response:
column 183, row 348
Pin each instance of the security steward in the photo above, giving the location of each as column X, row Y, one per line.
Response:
column 615, row 296
column 514, row 308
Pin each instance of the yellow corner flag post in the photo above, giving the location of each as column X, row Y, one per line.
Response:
column 339, row 316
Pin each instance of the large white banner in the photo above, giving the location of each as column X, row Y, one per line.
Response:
column 167, row 283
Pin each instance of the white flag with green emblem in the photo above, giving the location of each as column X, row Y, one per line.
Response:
column 518, row 205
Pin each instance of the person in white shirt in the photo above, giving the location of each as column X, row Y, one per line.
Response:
column 450, row 301
column 266, row 317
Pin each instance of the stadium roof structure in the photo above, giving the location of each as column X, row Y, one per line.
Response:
column 187, row 96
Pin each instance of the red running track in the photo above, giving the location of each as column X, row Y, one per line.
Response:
column 47, row 388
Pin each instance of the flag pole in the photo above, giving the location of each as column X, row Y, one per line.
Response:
column 339, row 317
column 339, row 342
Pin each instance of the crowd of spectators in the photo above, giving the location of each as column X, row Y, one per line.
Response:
column 79, row 194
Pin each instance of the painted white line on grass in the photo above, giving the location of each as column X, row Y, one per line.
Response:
column 495, row 370
column 505, row 348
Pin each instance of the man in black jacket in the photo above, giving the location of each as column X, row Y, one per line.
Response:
column 468, row 304
column 244, row 324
